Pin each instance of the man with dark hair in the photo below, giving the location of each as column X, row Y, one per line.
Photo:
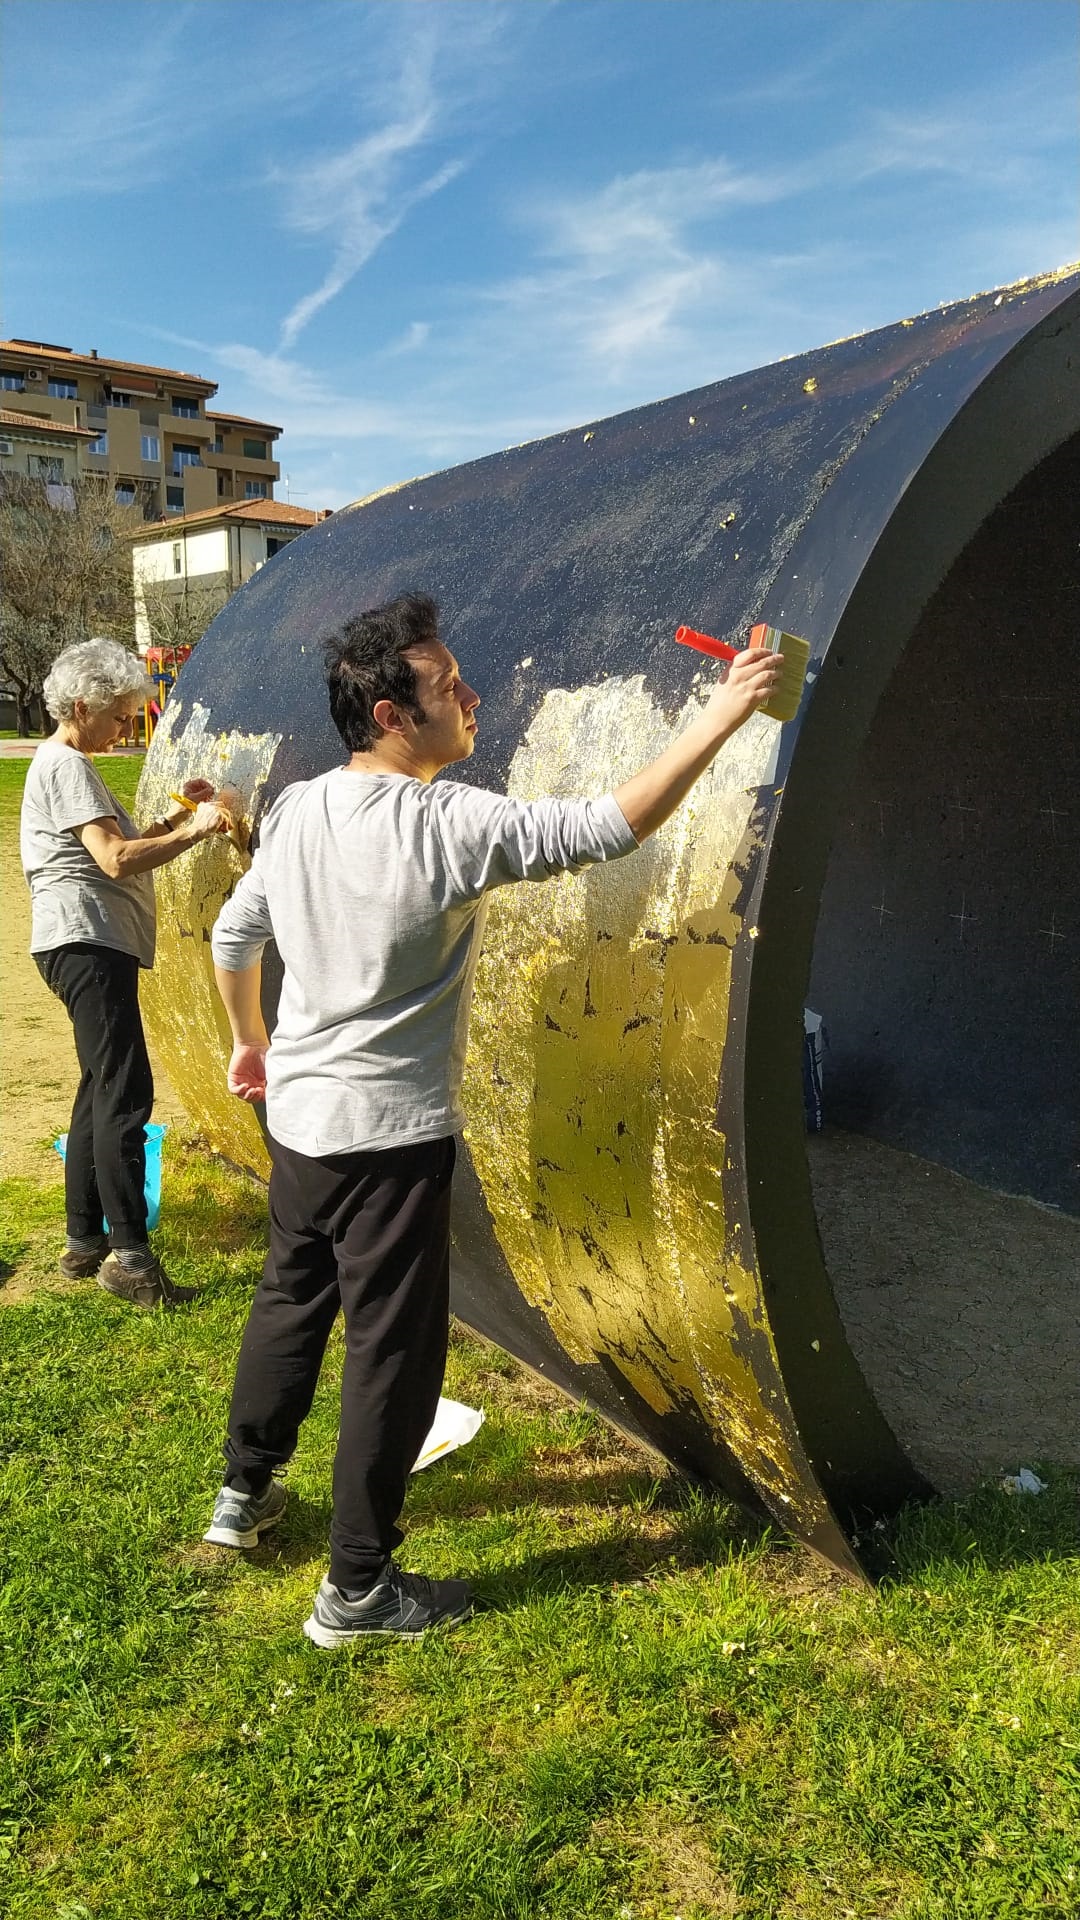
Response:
column 367, row 662
column 372, row 881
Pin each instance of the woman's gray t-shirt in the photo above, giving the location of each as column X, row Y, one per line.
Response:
column 71, row 899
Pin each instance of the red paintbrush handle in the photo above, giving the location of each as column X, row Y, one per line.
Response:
column 705, row 643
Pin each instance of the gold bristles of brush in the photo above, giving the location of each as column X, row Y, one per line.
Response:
column 784, row 703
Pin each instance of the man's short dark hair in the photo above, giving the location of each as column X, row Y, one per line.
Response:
column 365, row 663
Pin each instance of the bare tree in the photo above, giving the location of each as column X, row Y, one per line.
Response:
column 66, row 574
column 178, row 616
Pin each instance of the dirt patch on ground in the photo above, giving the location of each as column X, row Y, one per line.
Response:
column 961, row 1307
column 672, row 1866
column 38, row 1068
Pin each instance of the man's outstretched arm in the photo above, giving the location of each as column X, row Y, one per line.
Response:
column 651, row 796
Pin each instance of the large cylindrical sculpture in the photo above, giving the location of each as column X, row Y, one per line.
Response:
column 640, row 1214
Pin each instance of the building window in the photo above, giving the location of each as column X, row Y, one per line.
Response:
column 185, row 457
column 12, row 383
column 274, row 545
column 151, row 447
column 119, row 399
column 177, row 557
column 254, row 489
column 48, row 469
column 100, row 445
column 224, row 484
column 63, row 389
column 174, row 499
column 255, row 449
column 185, row 409
column 218, row 444
column 125, row 493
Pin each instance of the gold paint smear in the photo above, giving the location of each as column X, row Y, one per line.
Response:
column 597, row 1034
column 179, row 997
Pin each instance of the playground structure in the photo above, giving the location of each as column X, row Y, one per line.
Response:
column 163, row 665
column 640, row 1214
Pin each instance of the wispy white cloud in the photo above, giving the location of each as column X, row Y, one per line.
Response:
column 441, row 59
column 645, row 276
column 416, row 335
column 624, row 267
column 106, row 138
column 645, row 282
column 993, row 137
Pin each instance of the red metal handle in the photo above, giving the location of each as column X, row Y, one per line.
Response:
column 705, row 643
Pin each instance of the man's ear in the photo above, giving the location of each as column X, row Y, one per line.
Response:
column 387, row 717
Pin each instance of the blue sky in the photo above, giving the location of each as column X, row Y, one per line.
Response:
column 414, row 231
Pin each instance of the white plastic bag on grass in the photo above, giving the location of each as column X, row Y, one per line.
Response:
column 452, row 1427
column 1024, row 1482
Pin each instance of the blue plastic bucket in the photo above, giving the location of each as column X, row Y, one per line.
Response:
column 154, row 1137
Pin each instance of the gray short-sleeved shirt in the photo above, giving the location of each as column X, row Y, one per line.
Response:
column 71, row 899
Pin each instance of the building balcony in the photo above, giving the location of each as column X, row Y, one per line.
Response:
column 174, row 426
column 240, row 463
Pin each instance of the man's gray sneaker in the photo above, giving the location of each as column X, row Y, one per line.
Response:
column 400, row 1606
column 146, row 1286
column 239, row 1518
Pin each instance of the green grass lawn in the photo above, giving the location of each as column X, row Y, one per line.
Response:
column 120, row 772
column 660, row 1709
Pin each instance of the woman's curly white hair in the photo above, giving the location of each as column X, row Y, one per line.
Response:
column 96, row 672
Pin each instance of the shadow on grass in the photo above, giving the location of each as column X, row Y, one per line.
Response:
column 690, row 1529
column 988, row 1530
column 484, row 1494
column 697, row 1532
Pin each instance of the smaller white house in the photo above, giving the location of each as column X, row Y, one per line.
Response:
column 185, row 569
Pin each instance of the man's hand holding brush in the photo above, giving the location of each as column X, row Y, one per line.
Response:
column 652, row 795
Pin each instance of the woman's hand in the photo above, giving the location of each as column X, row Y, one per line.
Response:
column 247, row 1072
column 198, row 790
column 208, row 818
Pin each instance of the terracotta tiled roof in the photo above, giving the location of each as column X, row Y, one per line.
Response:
column 282, row 510
column 239, row 420
column 267, row 513
column 30, row 350
column 37, row 423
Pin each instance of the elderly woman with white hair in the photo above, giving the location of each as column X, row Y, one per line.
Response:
column 92, row 928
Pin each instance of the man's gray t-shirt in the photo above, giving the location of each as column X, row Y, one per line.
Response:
column 71, row 899
column 373, row 887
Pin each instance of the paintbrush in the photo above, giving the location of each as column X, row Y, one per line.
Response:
column 232, row 833
column 784, row 703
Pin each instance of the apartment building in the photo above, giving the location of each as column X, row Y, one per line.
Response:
column 185, row 572
column 38, row 449
column 151, row 433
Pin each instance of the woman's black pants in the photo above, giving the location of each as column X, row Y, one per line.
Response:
column 105, row 1166
column 367, row 1234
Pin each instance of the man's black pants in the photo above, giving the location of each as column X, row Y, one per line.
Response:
column 368, row 1233
column 105, row 1163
